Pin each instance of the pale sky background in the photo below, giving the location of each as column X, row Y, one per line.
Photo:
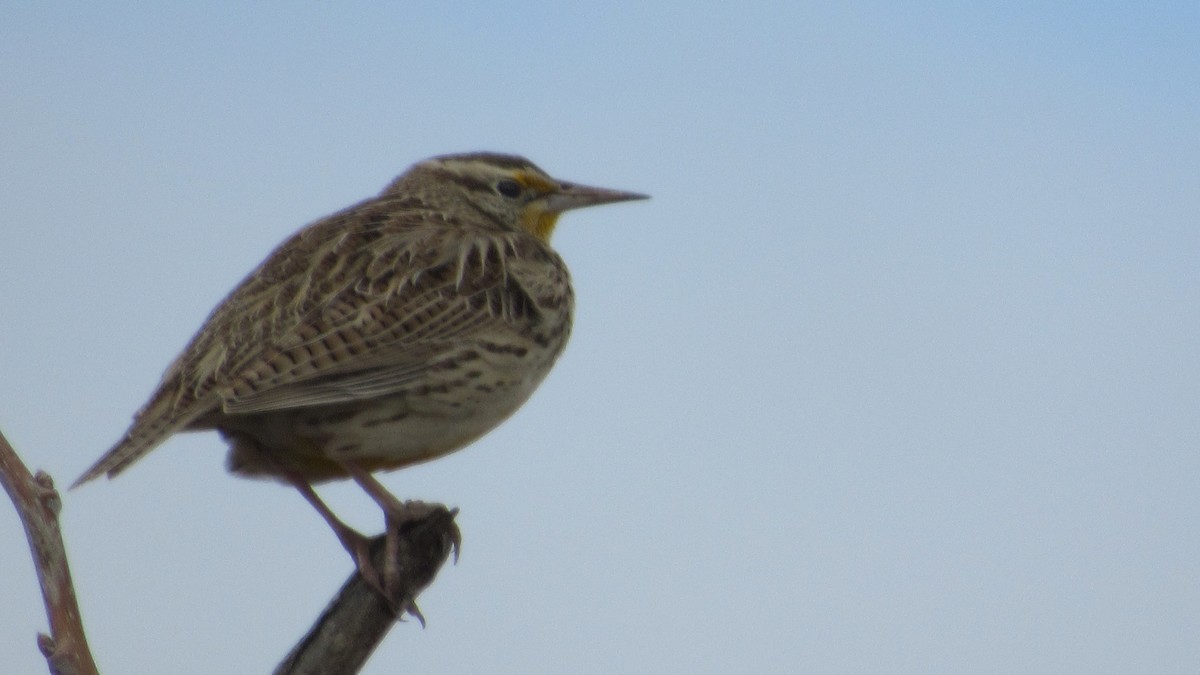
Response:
column 897, row 372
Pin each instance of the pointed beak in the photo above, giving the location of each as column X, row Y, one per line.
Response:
column 574, row 196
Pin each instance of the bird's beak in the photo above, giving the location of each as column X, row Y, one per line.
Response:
column 574, row 196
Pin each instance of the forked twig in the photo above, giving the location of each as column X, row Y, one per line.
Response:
column 38, row 503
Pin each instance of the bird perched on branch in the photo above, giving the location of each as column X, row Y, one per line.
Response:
column 392, row 332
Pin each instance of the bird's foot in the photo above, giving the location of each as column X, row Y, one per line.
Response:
column 399, row 515
column 385, row 582
column 359, row 548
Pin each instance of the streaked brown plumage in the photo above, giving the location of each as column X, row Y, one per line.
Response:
column 392, row 332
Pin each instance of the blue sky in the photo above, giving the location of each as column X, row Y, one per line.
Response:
column 897, row 371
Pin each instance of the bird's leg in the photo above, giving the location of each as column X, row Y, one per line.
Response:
column 247, row 450
column 397, row 511
column 355, row 543
column 394, row 514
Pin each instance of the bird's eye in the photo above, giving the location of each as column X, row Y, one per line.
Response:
column 509, row 188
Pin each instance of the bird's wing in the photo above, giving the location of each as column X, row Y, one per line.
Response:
column 354, row 303
column 400, row 346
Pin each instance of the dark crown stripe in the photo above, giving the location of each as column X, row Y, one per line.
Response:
column 494, row 159
column 469, row 182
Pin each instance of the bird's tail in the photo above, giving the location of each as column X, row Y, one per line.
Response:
column 151, row 426
column 128, row 450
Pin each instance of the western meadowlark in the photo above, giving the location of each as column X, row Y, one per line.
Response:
column 389, row 333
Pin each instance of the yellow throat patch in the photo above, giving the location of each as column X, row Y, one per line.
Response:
column 536, row 220
column 539, row 222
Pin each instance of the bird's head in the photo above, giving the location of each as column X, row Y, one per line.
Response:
column 510, row 190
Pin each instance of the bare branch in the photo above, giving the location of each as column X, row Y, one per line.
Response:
column 38, row 503
column 340, row 642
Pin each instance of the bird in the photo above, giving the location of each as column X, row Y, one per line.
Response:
column 395, row 331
